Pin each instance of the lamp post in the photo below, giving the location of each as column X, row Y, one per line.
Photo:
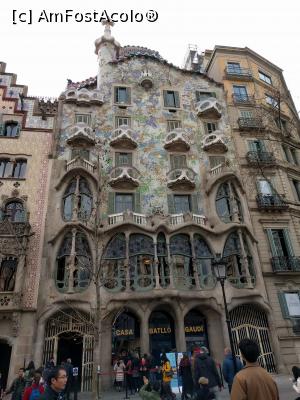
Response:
column 220, row 266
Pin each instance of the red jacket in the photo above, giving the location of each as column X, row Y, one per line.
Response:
column 28, row 390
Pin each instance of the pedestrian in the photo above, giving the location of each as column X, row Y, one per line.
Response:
column 70, row 382
column 128, row 371
column 56, row 383
column 136, row 372
column 167, row 375
column 18, row 386
column 253, row 382
column 29, row 373
column 150, row 391
column 144, row 366
column 296, row 373
column 50, row 364
column 34, row 391
column 153, row 369
column 228, row 367
column 119, row 368
column 206, row 367
column 185, row 371
column 203, row 392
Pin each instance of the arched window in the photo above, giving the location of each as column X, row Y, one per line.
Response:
column 181, row 253
column 15, row 212
column 8, row 269
column 141, row 260
column 113, row 274
column 11, row 129
column 77, row 200
column 236, row 267
column 163, row 265
column 74, row 267
column 204, row 257
column 228, row 204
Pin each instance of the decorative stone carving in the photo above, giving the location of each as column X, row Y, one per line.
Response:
column 215, row 141
column 123, row 137
column 146, row 80
column 82, row 97
column 81, row 133
column 15, row 324
column 126, row 177
column 209, row 108
column 177, row 140
column 181, row 178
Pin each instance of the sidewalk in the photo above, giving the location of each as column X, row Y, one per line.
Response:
column 286, row 392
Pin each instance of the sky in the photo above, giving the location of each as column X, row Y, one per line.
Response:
column 45, row 54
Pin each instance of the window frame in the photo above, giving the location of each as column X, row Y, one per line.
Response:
column 3, row 129
column 271, row 101
column 169, row 123
column 265, row 77
column 176, row 99
column 83, row 116
column 209, row 131
column 189, row 201
column 116, row 95
column 200, row 95
column 121, row 194
column 117, row 124
column 284, row 305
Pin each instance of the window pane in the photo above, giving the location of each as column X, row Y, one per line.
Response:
column 121, row 95
column 265, row 187
column 85, row 118
column 124, row 202
column 264, row 77
column 122, row 121
column 173, row 124
column 68, row 207
column 182, row 203
column 246, row 114
column 233, row 67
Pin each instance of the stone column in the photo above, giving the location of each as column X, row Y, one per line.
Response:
column 170, row 264
column 244, row 257
column 127, row 263
column 106, row 346
column 179, row 331
column 39, row 343
column 195, row 271
column 144, row 331
column 155, row 266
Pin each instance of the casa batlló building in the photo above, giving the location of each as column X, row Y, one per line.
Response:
column 146, row 190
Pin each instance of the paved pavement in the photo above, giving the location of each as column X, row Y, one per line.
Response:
column 286, row 392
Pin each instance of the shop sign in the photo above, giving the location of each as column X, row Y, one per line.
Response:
column 160, row 330
column 194, row 329
column 124, row 332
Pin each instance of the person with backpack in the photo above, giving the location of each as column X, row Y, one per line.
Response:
column 167, row 375
column 34, row 391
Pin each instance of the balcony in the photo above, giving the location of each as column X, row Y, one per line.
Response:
column 246, row 124
column 271, row 202
column 215, row 142
column 242, row 281
column 243, row 99
column 82, row 97
column 260, row 158
column 181, row 178
column 177, row 140
column 123, row 138
column 124, row 177
column 285, row 264
column 146, row 80
column 243, row 74
column 80, row 134
column 79, row 162
column 178, row 219
column 209, row 108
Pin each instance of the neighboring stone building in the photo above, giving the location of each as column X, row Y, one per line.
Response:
column 266, row 135
column 26, row 126
column 148, row 147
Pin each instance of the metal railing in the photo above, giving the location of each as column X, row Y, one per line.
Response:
column 250, row 123
column 240, row 72
column 260, row 157
column 271, row 201
column 243, row 98
column 286, row 264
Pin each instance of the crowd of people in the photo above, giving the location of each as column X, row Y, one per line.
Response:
column 200, row 377
column 48, row 383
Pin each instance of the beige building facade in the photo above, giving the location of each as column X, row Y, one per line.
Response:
column 26, row 126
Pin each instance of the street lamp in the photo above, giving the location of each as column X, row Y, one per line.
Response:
column 220, row 266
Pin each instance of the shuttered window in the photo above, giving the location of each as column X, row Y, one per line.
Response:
column 178, row 161
column 122, row 95
column 280, row 243
column 123, row 159
column 121, row 202
column 171, row 99
column 183, row 203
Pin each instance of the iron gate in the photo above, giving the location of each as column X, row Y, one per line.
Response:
column 71, row 321
column 250, row 322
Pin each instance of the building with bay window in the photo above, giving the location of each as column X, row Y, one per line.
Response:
column 266, row 129
column 145, row 192
column 26, row 127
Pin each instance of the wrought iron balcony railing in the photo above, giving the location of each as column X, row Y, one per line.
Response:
column 271, row 202
column 250, row 123
column 260, row 157
column 243, row 99
column 238, row 72
column 286, row 264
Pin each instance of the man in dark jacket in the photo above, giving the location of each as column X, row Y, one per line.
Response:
column 56, row 383
column 18, row 386
column 206, row 367
column 228, row 367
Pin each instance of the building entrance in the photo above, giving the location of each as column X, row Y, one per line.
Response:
column 195, row 330
column 70, row 345
column 161, row 333
column 126, row 334
column 5, row 351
